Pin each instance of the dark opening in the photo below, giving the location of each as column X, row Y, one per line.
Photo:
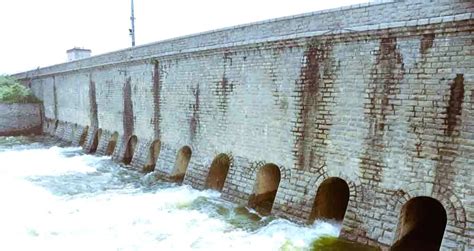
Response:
column 331, row 200
column 218, row 172
column 112, row 143
column 95, row 141
column 422, row 224
column 181, row 164
column 82, row 139
column 153, row 154
column 56, row 124
column 265, row 189
column 130, row 150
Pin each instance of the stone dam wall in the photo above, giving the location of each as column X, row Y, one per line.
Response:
column 20, row 119
column 362, row 114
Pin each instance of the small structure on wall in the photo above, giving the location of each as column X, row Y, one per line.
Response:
column 77, row 53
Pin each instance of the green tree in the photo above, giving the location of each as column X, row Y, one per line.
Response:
column 11, row 91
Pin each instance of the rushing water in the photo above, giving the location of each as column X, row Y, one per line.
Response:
column 57, row 198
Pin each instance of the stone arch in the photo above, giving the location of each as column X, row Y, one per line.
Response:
column 456, row 215
column 421, row 226
column 265, row 188
column 95, row 141
column 218, row 172
column 331, row 200
column 355, row 186
column 181, row 165
column 254, row 167
column 130, row 149
column 83, row 137
column 112, row 144
column 153, row 153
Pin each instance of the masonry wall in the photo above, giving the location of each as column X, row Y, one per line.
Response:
column 20, row 119
column 387, row 107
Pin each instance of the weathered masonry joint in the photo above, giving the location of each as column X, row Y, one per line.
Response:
column 362, row 115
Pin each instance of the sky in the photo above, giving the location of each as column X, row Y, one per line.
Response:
column 37, row 33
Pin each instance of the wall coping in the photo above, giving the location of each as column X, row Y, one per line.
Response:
column 203, row 41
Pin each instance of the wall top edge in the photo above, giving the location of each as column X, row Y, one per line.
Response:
column 262, row 32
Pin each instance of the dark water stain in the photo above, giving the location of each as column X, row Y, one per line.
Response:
column 194, row 120
column 418, row 119
column 156, row 99
column 94, row 120
column 224, row 88
column 456, row 99
column 426, row 43
column 128, row 124
column 447, row 148
column 317, row 67
column 386, row 75
column 55, row 97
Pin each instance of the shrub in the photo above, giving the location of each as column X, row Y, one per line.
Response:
column 11, row 91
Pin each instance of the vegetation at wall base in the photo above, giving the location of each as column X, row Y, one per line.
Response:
column 11, row 91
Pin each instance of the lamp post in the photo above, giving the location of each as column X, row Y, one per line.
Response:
column 132, row 30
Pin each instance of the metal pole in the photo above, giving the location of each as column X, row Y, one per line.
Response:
column 132, row 30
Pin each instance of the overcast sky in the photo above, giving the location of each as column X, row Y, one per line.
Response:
column 37, row 33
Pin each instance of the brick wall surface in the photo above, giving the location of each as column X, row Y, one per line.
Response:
column 379, row 95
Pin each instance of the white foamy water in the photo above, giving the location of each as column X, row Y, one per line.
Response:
column 56, row 198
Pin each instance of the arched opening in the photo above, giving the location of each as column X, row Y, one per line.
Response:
column 82, row 139
column 422, row 224
column 111, row 145
column 95, row 141
column 153, row 154
column 130, row 150
column 265, row 189
column 218, row 172
column 56, row 124
column 181, row 164
column 331, row 200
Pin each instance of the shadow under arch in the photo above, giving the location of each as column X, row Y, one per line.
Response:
column 218, row 172
column 83, row 137
column 95, row 141
column 421, row 226
column 153, row 153
column 265, row 189
column 181, row 165
column 112, row 144
column 331, row 200
column 130, row 149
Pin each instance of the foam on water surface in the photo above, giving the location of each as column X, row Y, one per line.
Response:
column 56, row 198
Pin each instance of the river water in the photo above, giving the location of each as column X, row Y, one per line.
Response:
column 57, row 198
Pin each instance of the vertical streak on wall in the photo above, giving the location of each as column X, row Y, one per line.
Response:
column 448, row 148
column 127, row 108
column 313, row 122
column 383, row 87
column 223, row 87
column 156, row 99
column 55, row 97
column 419, row 119
column 194, row 120
column 93, row 104
column 454, row 108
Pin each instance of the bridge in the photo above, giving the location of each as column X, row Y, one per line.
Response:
column 362, row 114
